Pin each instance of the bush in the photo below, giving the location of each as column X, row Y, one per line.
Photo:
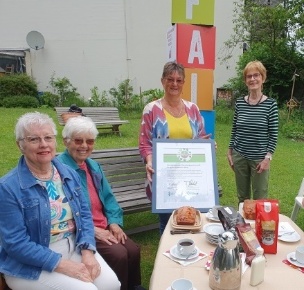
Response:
column 17, row 85
column 74, row 99
column 99, row 99
column 64, row 89
column 20, row 101
column 50, row 100
column 224, row 112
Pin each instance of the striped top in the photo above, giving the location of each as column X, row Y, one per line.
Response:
column 255, row 128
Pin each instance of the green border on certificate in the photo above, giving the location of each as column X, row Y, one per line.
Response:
column 184, row 174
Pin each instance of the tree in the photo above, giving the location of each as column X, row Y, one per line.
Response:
column 274, row 35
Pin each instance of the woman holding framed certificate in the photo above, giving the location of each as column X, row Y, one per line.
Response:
column 168, row 117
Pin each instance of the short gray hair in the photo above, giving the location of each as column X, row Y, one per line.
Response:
column 29, row 119
column 171, row 67
column 77, row 125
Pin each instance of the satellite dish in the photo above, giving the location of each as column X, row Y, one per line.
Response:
column 35, row 40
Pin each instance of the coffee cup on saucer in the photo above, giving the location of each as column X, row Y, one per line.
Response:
column 214, row 210
column 185, row 247
column 181, row 284
column 300, row 254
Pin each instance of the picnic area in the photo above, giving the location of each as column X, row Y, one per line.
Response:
column 285, row 179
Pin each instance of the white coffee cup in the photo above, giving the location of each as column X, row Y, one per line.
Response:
column 185, row 247
column 214, row 210
column 182, row 284
column 300, row 254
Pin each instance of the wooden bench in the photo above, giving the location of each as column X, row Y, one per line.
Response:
column 103, row 117
column 126, row 174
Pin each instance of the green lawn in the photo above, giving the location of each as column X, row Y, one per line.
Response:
column 287, row 169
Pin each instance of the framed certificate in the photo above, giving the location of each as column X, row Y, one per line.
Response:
column 185, row 174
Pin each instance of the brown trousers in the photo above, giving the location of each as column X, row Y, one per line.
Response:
column 124, row 261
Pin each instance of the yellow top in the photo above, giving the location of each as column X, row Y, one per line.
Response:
column 179, row 128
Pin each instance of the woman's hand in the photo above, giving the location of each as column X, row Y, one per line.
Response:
column 75, row 270
column 207, row 136
column 149, row 168
column 149, row 171
column 118, row 233
column 91, row 263
column 263, row 165
column 105, row 236
column 229, row 157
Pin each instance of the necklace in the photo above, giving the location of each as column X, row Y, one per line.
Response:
column 43, row 177
column 257, row 101
column 176, row 115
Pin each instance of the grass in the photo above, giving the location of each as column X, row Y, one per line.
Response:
column 287, row 169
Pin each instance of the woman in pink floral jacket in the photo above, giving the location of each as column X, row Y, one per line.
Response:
column 169, row 117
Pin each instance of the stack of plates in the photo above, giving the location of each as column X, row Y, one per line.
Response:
column 213, row 230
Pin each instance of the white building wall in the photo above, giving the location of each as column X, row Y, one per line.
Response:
column 102, row 42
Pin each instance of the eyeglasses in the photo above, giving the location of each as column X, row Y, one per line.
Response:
column 254, row 76
column 172, row 81
column 80, row 141
column 37, row 139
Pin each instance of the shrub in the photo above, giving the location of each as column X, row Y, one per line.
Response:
column 17, row 85
column 74, row 99
column 20, row 101
column 63, row 88
column 49, row 99
column 99, row 99
column 122, row 95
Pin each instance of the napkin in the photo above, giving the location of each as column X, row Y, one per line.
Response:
column 200, row 256
column 285, row 227
column 242, row 255
column 301, row 269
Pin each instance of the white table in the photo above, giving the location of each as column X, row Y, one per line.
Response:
column 278, row 276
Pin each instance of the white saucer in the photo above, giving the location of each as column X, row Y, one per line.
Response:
column 291, row 238
column 211, row 217
column 213, row 229
column 174, row 253
column 169, row 288
column 296, row 263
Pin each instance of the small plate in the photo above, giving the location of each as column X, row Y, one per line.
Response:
column 211, row 217
column 174, row 253
column 296, row 263
column 197, row 225
column 290, row 238
column 169, row 288
column 213, row 229
column 285, row 227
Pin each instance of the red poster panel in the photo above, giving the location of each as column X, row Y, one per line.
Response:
column 195, row 46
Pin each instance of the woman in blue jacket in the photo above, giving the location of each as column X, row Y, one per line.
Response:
column 46, row 229
column 119, row 251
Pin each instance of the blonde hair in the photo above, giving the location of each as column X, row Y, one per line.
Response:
column 255, row 65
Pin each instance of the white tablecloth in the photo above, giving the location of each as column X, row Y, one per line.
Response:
column 278, row 276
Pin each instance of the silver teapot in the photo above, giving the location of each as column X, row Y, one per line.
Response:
column 226, row 267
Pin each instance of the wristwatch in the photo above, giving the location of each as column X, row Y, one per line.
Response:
column 268, row 157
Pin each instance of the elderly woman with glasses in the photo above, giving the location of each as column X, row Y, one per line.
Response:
column 254, row 135
column 168, row 117
column 46, row 228
column 119, row 251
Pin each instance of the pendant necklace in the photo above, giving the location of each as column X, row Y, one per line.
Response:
column 174, row 114
column 257, row 102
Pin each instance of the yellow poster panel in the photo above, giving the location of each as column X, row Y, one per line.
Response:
column 198, row 87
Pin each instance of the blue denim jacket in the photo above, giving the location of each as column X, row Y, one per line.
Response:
column 25, row 221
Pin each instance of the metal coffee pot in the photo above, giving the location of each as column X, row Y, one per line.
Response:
column 226, row 267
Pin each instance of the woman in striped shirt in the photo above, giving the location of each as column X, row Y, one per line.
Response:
column 254, row 135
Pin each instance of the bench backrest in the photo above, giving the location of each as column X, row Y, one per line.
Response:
column 126, row 173
column 97, row 114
